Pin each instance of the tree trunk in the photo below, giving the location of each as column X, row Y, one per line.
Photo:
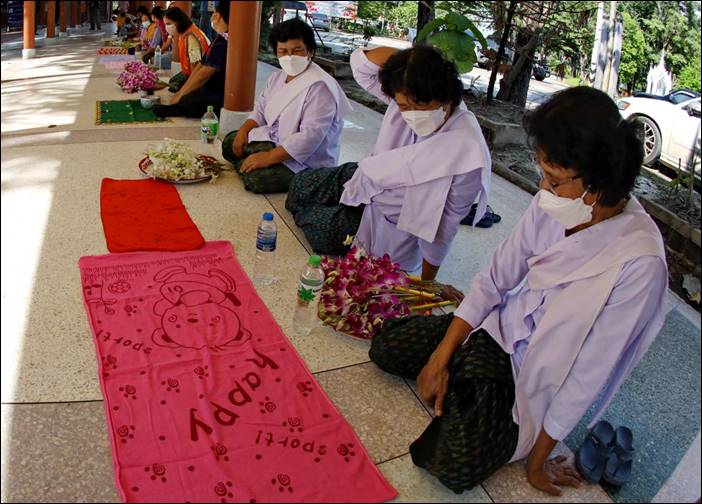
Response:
column 501, row 50
column 514, row 87
column 425, row 13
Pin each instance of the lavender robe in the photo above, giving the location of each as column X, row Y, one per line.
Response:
column 575, row 313
column 309, row 128
column 416, row 189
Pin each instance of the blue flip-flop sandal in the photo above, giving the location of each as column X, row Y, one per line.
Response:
column 595, row 451
column 618, row 468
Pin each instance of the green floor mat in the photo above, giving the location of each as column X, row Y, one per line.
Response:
column 123, row 112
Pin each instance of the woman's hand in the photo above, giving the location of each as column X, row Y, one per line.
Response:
column 555, row 472
column 240, row 141
column 433, row 381
column 256, row 162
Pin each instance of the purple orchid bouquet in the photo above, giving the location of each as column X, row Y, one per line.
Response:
column 137, row 76
column 361, row 293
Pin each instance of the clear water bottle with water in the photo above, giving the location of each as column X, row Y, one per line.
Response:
column 157, row 57
column 308, row 291
column 266, row 239
column 209, row 124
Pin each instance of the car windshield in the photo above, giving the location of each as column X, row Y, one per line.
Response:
column 319, row 17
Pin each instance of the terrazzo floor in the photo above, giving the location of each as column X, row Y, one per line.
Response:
column 54, row 442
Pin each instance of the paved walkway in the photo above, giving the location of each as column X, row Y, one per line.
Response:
column 54, row 443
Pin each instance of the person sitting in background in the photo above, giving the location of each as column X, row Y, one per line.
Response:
column 165, row 40
column 205, row 85
column 192, row 44
column 128, row 30
column 430, row 163
column 297, row 120
column 568, row 306
column 150, row 34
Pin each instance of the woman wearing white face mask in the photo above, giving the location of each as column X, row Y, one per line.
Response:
column 429, row 165
column 192, row 44
column 568, row 306
column 297, row 120
column 205, row 85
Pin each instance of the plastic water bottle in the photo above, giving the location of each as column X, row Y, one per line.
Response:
column 308, row 291
column 266, row 238
column 157, row 57
column 209, row 124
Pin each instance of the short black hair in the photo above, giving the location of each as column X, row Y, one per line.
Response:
column 423, row 74
column 157, row 12
column 290, row 30
column 181, row 19
column 143, row 10
column 581, row 129
column 222, row 8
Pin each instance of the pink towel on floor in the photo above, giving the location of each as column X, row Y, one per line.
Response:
column 206, row 400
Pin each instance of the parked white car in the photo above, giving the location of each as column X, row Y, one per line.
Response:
column 671, row 130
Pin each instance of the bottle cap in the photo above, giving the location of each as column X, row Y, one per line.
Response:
column 267, row 216
column 210, row 108
column 314, row 260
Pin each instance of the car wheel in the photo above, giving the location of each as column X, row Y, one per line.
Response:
column 651, row 140
column 539, row 77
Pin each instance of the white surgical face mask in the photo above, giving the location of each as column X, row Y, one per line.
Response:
column 569, row 212
column 171, row 29
column 424, row 122
column 146, row 24
column 293, row 65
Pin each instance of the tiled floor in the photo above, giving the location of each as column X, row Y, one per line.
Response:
column 54, row 441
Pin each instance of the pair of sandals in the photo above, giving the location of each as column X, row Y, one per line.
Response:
column 487, row 221
column 606, row 454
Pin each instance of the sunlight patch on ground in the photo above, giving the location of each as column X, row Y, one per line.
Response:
column 27, row 193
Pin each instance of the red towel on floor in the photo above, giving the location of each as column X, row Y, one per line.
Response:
column 145, row 215
column 206, row 399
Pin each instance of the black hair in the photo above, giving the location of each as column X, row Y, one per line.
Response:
column 157, row 12
column 581, row 129
column 115, row 11
column 181, row 19
column 423, row 74
column 143, row 11
column 222, row 8
column 290, row 30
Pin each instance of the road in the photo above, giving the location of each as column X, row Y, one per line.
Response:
column 538, row 91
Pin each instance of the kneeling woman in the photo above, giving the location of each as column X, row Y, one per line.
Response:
column 297, row 120
column 429, row 165
column 568, row 306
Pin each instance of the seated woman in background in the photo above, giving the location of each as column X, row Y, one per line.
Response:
column 150, row 35
column 161, row 39
column 568, row 306
column 192, row 44
column 205, row 86
column 297, row 120
column 429, row 165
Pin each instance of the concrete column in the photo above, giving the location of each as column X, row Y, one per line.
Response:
column 242, row 58
column 63, row 19
column 29, row 49
column 51, row 22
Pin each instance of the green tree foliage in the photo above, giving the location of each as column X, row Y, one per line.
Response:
column 634, row 57
column 672, row 28
column 448, row 35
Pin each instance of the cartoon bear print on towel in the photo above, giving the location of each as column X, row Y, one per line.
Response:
column 94, row 295
column 197, row 310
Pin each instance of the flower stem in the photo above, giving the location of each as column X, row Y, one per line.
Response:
column 431, row 305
